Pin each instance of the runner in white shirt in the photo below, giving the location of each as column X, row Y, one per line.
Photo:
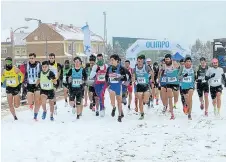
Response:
column 215, row 75
column 98, row 73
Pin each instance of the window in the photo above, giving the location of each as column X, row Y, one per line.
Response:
column 17, row 52
column 4, row 50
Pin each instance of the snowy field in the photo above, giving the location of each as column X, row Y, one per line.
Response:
column 96, row 139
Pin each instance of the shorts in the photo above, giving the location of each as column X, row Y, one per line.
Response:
column 162, row 86
column 202, row 88
column 185, row 91
column 215, row 90
column 65, row 85
column 92, row 89
column 49, row 93
column 13, row 90
column 117, row 88
column 142, row 88
column 130, row 88
column 76, row 94
column 174, row 87
column 32, row 88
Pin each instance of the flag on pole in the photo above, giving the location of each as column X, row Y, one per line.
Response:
column 86, row 41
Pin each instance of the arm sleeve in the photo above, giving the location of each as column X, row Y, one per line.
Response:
column 208, row 72
column 93, row 72
column 124, row 73
column 224, row 78
column 84, row 74
column 39, row 75
column 129, row 74
column 68, row 75
column 180, row 73
column 59, row 69
column 25, row 75
column 207, row 77
column 107, row 75
column 52, row 75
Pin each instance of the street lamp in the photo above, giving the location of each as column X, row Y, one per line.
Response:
column 29, row 19
column 12, row 40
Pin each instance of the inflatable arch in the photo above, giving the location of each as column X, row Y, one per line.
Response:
column 147, row 45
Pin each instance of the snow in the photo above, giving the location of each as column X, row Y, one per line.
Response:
column 155, row 139
column 74, row 33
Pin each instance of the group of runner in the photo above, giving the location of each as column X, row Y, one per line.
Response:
column 148, row 82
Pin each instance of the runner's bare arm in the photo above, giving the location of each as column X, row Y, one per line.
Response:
column 20, row 74
column 3, row 77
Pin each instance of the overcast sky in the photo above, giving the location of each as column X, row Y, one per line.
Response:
column 178, row 21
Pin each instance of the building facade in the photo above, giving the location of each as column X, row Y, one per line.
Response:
column 65, row 41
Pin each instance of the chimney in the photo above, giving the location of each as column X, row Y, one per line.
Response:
column 21, row 31
column 56, row 23
column 71, row 26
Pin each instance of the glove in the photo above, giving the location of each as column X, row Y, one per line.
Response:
column 185, row 75
column 213, row 75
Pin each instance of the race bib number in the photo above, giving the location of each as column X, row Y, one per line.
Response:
column 32, row 80
column 112, row 79
column 202, row 78
column 187, row 79
column 76, row 82
column 46, row 85
column 216, row 81
column 11, row 82
column 172, row 79
column 101, row 77
column 141, row 80
column 64, row 79
column 163, row 79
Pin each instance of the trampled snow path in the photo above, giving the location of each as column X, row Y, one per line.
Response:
column 155, row 139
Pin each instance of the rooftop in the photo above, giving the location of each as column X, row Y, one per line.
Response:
column 18, row 37
column 71, row 32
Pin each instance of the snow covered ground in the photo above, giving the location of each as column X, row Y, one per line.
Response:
column 155, row 139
